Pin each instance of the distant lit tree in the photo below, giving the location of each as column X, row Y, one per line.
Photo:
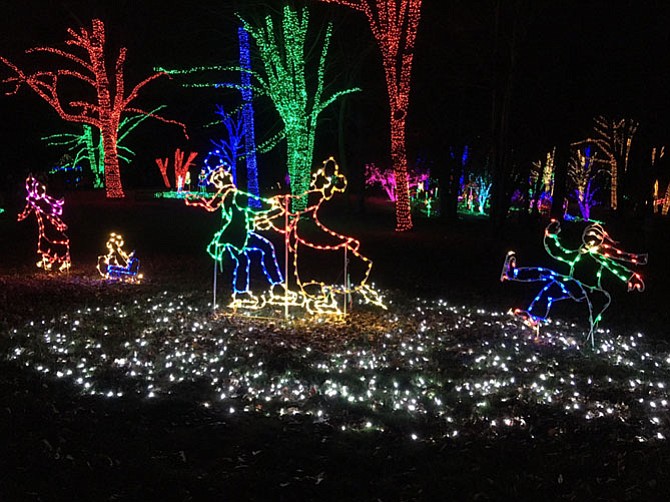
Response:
column 394, row 24
column 89, row 147
column 227, row 149
column 88, row 65
column 583, row 174
column 541, row 180
column 614, row 139
column 484, row 185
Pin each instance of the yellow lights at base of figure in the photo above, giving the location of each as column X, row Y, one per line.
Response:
column 316, row 296
column 117, row 264
column 240, row 242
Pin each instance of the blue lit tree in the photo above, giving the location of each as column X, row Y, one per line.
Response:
column 583, row 175
column 227, row 150
column 248, row 114
column 484, row 184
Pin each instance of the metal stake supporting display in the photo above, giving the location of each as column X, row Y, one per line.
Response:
column 214, row 286
column 286, row 248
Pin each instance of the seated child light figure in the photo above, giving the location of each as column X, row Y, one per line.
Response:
column 601, row 254
column 117, row 264
column 53, row 245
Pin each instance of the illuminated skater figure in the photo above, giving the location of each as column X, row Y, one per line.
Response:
column 238, row 238
column 53, row 246
column 320, row 295
column 117, row 264
column 583, row 282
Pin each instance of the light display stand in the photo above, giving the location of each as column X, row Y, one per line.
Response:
column 245, row 246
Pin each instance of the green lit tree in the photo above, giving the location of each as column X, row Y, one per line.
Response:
column 88, row 146
column 284, row 78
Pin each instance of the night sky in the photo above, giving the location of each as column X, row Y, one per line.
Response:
column 573, row 60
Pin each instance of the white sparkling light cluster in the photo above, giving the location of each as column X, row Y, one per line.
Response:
column 452, row 369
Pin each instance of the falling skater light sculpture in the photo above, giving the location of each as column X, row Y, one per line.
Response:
column 53, row 245
column 117, row 264
column 597, row 252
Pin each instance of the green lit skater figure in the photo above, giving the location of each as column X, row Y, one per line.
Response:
column 237, row 238
column 602, row 251
column 583, row 282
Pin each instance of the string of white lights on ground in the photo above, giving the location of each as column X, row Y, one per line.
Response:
column 452, row 369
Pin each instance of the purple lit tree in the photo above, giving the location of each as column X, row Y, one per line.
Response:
column 227, row 149
column 583, row 175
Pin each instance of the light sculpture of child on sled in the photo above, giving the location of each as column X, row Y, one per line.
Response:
column 117, row 264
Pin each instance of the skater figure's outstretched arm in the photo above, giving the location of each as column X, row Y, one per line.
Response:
column 597, row 243
column 555, row 249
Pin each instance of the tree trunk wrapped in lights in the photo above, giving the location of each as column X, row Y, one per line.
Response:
column 248, row 117
column 583, row 175
column 111, row 97
column 394, row 24
column 282, row 52
column 284, row 80
column 89, row 147
column 614, row 139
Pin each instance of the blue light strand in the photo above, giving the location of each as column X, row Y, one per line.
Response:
column 248, row 117
column 596, row 244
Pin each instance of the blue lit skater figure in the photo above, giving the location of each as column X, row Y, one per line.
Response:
column 238, row 238
column 583, row 283
column 557, row 287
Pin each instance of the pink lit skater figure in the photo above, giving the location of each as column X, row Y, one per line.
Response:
column 53, row 246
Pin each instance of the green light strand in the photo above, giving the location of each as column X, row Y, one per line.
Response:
column 84, row 147
column 282, row 52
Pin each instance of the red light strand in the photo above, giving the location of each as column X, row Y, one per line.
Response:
column 181, row 167
column 163, row 165
column 112, row 102
column 394, row 25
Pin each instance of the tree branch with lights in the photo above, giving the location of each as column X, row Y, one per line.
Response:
column 111, row 102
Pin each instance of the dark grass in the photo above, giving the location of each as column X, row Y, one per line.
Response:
column 60, row 445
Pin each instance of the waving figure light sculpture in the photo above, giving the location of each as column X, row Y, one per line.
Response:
column 53, row 245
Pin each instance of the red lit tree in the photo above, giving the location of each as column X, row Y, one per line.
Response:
column 394, row 24
column 87, row 65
